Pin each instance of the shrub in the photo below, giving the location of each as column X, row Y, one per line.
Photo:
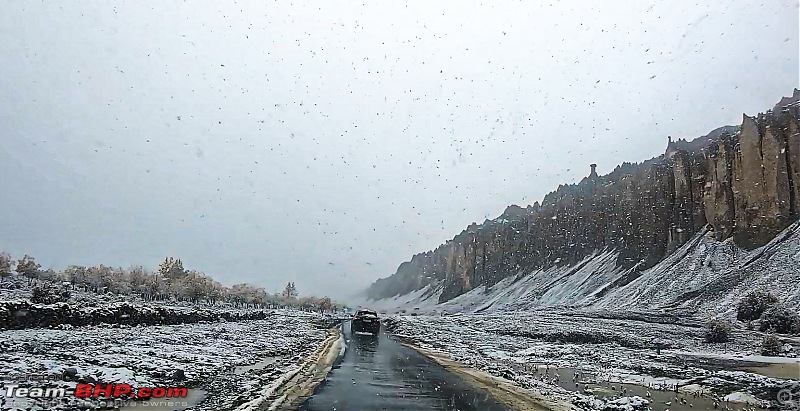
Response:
column 770, row 345
column 780, row 319
column 48, row 294
column 718, row 330
column 754, row 304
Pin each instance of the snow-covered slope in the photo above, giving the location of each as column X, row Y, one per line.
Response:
column 559, row 285
column 704, row 275
column 708, row 275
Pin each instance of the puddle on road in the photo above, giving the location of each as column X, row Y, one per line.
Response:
column 786, row 371
column 260, row 365
column 194, row 396
column 774, row 367
column 660, row 400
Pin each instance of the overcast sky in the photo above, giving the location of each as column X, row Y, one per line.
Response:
column 326, row 142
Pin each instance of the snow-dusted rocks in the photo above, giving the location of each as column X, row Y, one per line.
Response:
column 201, row 356
column 605, row 363
column 19, row 314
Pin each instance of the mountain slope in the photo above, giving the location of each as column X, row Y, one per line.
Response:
column 593, row 241
column 704, row 275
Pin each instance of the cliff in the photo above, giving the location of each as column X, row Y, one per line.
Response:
column 736, row 182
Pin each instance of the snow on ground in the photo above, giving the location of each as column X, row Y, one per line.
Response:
column 208, row 353
column 600, row 359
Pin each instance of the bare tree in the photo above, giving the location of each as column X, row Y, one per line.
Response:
column 290, row 291
column 48, row 275
column 99, row 278
column 170, row 280
column 5, row 266
column 325, row 304
column 137, row 277
column 28, row 268
column 171, row 269
column 76, row 275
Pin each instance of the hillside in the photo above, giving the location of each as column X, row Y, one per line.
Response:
column 692, row 225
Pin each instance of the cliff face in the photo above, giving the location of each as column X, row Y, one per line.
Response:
column 740, row 182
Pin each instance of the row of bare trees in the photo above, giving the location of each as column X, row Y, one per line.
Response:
column 170, row 281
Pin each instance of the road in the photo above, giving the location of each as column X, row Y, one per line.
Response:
column 377, row 373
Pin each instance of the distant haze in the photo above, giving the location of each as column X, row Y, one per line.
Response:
column 326, row 143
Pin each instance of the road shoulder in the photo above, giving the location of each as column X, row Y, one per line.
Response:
column 293, row 388
column 508, row 394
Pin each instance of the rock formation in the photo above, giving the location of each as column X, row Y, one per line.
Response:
column 741, row 182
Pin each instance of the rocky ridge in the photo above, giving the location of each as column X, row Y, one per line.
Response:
column 737, row 182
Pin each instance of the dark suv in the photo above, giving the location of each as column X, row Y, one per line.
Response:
column 365, row 321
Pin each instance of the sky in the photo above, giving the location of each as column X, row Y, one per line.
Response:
column 327, row 142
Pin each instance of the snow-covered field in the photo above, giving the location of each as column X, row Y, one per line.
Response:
column 591, row 362
column 228, row 363
column 598, row 351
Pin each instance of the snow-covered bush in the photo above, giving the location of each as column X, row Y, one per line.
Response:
column 780, row 319
column 171, row 284
column 718, row 330
column 46, row 293
column 754, row 304
column 770, row 345
column 22, row 314
column 634, row 403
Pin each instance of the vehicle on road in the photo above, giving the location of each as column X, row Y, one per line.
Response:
column 365, row 321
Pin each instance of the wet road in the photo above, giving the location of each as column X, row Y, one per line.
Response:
column 377, row 373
